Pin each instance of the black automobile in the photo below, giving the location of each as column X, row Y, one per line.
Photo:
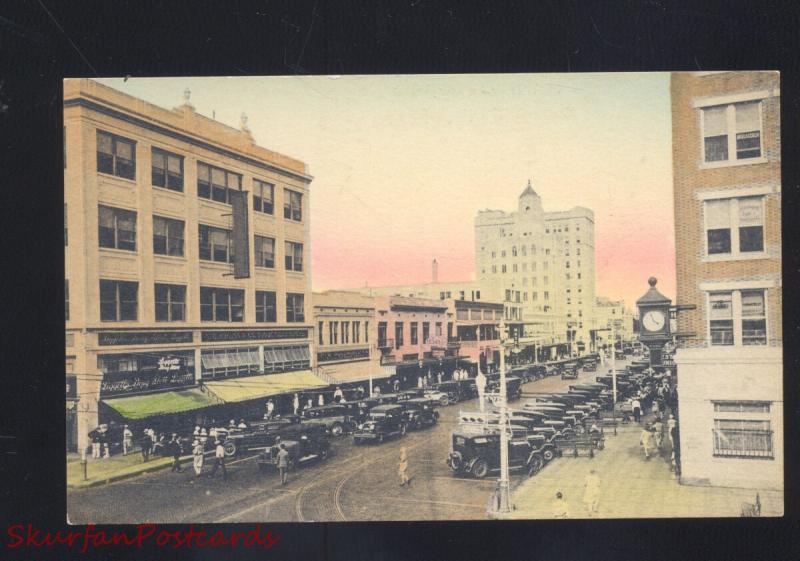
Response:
column 383, row 421
column 590, row 366
column 513, row 386
column 569, row 372
column 479, row 454
column 303, row 446
column 419, row 413
column 452, row 389
column 258, row 435
column 337, row 418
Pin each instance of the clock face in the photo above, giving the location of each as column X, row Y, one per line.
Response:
column 653, row 320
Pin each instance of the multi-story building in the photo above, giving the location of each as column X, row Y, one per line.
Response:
column 608, row 312
column 544, row 261
column 727, row 185
column 346, row 333
column 187, row 262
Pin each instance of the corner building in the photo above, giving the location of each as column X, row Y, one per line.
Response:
column 187, row 265
column 727, row 186
column 543, row 261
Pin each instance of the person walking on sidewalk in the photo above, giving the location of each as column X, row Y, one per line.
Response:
column 560, row 506
column 283, row 463
column 219, row 461
column 197, row 458
column 591, row 493
column 145, row 443
column 402, row 468
column 176, row 450
column 646, row 441
column 296, row 404
column 636, row 407
column 127, row 440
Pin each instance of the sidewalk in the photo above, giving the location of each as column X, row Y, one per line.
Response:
column 631, row 486
column 106, row 470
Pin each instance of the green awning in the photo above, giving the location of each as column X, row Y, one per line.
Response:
column 254, row 387
column 142, row 406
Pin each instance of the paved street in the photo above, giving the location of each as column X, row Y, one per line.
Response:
column 356, row 483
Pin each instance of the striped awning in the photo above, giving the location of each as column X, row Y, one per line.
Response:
column 162, row 403
column 254, row 387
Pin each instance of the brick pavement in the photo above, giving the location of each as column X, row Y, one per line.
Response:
column 631, row 486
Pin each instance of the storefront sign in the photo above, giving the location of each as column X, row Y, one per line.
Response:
column 260, row 335
column 72, row 389
column 144, row 337
column 153, row 372
column 349, row 354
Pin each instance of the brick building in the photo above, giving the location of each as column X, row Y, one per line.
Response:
column 727, row 193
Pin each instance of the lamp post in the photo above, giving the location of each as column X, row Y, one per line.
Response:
column 502, row 504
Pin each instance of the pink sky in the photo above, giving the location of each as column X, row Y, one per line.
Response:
column 402, row 164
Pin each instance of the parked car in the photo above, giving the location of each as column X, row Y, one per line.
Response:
column 419, row 413
column 479, row 454
column 452, row 389
column 305, row 446
column 513, row 386
column 569, row 372
column 382, row 422
column 337, row 418
column 258, row 435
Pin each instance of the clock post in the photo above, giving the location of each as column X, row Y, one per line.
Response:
column 654, row 329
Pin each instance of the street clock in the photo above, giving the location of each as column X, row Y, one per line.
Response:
column 654, row 310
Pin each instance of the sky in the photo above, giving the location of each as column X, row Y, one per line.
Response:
column 402, row 164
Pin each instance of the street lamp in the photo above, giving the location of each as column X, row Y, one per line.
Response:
column 503, row 504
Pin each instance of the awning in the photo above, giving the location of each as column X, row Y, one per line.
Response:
column 142, row 406
column 254, row 387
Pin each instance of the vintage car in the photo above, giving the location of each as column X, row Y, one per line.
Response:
column 383, row 421
column 452, row 389
column 258, row 435
column 337, row 418
column 590, row 365
column 569, row 372
column 302, row 447
column 478, row 454
column 513, row 386
column 419, row 413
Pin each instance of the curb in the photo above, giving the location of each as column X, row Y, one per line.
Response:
column 119, row 477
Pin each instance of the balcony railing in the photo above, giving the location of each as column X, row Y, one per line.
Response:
column 743, row 443
column 385, row 343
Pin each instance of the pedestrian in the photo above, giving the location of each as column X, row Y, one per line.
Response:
column 270, row 409
column 127, row 440
column 396, row 386
column 321, row 400
column 96, row 440
column 338, row 394
column 560, row 507
column 145, row 443
column 296, row 404
column 377, row 390
column 242, row 424
column 636, row 406
column 591, row 492
column 402, row 469
column 219, row 461
column 646, row 441
column 203, row 436
column 419, row 382
column 656, row 408
column 480, row 384
column 176, row 450
column 439, row 378
column 283, row 463
column 658, row 433
column 309, row 403
column 672, row 426
column 197, row 458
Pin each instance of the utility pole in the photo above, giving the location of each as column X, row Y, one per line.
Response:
column 614, row 362
column 503, row 504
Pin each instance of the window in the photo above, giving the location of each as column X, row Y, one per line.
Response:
column 214, row 183
column 118, row 300
column 266, row 308
column 460, row 294
column 215, row 244
column 546, row 295
column 494, row 254
column 727, row 329
column 734, row 226
column 742, row 438
column 263, row 197
column 356, row 332
column 265, row 252
column 732, row 132
column 381, row 334
column 503, row 269
column 494, row 268
column 398, row 334
column 426, row 332
column 282, row 359
column 742, row 406
column 503, row 253
column 170, row 302
column 515, row 267
column 514, row 251
column 167, row 236
column 345, row 332
column 295, row 308
column 167, row 170
column 225, row 363
column 221, row 304
column 578, row 251
column 546, row 279
column 292, row 205
column 366, row 332
column 66, row 299
column 333, row 332
column 534, row 296
column 294, row 256
column 116, row 155
column 117, row 228
column 414, row 333
column 319, row 332
column 438, row 327
column 477, row 295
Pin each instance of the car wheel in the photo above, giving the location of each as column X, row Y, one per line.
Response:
column 535, row 464
column 480, row 468
column 337, row 429
column 548, row 455
column 323, row 455
column 444, row 401
column 230, row 449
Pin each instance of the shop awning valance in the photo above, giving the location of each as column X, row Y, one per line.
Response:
column 163, row 403
column 254, row 387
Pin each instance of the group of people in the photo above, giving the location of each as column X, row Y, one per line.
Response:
column 461, row 374
column 591, row 498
